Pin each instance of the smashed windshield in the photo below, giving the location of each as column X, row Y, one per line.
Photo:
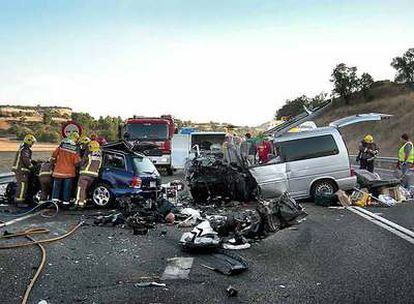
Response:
column 147, row 131
column 143, row 165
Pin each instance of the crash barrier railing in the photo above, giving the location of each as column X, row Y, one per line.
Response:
column 6, row 178
column 388, row 163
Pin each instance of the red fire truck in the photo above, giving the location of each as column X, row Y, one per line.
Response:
column 151, row 136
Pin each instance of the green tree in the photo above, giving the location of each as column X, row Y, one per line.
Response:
column 84, row 119
column 405, row 67
column 365, row 82
column 295, row 106
column 47, row 117
column 345, row 81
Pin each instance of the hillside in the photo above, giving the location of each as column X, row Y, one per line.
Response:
column 10, row 113
column 385, row 97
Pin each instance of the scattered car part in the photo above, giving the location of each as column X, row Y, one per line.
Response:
column 150, row 284
column 231, row 291
column 224, row 262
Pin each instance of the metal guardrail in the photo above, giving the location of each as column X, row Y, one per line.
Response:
column 6, row 178
column 388, row 163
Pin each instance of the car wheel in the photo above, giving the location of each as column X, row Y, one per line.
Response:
column 102, row 195
column 324, row 187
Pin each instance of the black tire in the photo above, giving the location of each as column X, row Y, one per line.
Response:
column 102, row 196
column 324, row 186
column 10, row 192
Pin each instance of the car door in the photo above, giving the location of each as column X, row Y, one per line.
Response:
column 114, row 170
column 271, row 179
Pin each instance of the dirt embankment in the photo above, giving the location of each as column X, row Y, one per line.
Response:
column 7, row 145
column 386, row 133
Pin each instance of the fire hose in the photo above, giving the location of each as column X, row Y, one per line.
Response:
column 39, row 243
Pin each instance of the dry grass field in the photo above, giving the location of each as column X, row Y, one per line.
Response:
column 386, row 133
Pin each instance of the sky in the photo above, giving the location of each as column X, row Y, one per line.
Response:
column 204, row 60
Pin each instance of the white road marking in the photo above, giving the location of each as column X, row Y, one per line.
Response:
column 392, row 227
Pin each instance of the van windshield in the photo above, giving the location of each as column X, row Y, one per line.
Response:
column 307, row 148
column 143, row 165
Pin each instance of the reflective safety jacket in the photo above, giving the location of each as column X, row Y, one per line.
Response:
column 65, row 158
column 91, row 163
column 401, row 153
column 23, row 160
column 46, row 169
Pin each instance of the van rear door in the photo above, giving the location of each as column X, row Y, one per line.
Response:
column 180, row 149
column 358, row 118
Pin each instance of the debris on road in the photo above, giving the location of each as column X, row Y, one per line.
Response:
column 150, row 284
column 178, row 268
column 231, row 291
column 224, row 262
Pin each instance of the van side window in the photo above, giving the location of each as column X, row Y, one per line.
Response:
column 114, row 161
column 307, row 148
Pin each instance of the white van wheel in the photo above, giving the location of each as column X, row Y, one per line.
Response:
column 322, row 187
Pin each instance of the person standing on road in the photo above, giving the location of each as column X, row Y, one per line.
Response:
column 46, row 180
column 65, row 159
column 405, row 158
column 88, row 172
column 368, row 150
column 248, row 149
column 22, row 167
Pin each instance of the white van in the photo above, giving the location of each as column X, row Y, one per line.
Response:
column 185, row 146
column 310, row 162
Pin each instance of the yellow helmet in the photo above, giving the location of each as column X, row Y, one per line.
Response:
column 74, row 136
column 369, row 139
column 29, row 139
column 84, row 140
column 94, row 146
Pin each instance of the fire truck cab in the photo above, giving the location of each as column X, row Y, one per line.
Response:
column 151, row 136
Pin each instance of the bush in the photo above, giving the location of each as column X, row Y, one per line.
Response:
column 48, row 136
column 20, row 131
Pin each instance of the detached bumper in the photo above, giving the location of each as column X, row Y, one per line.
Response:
column 134, row 191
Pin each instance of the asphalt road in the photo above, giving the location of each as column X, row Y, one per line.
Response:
column 334, row 256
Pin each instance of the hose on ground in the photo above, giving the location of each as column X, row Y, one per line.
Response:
column 38, row 271
column 26, row 233
column 43, row 204
column 81, row 222
column 39, row 243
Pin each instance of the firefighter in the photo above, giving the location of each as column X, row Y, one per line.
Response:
column 46, row 180
column 89, row 171
column 65, row 159
column 368, row 150
column 83, row 145
column 22, row 167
